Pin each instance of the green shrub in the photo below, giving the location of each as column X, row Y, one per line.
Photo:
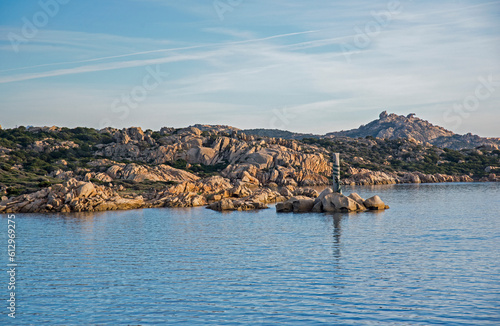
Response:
column 44, row 184
column 13, row 191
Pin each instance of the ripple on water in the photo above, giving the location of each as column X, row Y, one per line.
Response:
column 433, row 258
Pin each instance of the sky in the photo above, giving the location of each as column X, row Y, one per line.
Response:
column 304, row 66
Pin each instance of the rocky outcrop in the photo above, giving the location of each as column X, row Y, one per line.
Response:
column 492, row 177
column 368, row 177
column 248, row 159
column 392, row 126
column 120, row 171
column 257, row 200
column 63, row 175
column 102, row 177
column 71, row 196
column 139, row 173
column 205, row 186
column 50, row 145
column 192, row 194
column 330, row 202
column 219, row 193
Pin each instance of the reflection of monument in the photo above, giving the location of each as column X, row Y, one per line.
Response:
column 336, row 173
column 337, row 218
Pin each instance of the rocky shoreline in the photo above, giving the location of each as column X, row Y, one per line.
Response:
column 216, row 193
column 366, row 177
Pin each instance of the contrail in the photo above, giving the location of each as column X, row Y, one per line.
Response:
column 164, row 50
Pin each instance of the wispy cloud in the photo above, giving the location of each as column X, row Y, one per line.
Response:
column 134, row 63
column 425, row 59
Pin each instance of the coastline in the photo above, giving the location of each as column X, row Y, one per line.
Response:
column 86, row 170
column 215, row 193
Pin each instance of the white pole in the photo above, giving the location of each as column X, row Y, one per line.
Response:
column 336, row 173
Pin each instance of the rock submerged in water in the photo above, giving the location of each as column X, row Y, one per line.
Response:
column 328, row 201
column 375, row 203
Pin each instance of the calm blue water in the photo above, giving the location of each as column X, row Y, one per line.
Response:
column 432, row 259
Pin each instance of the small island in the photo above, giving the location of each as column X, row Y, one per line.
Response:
column 57, row 169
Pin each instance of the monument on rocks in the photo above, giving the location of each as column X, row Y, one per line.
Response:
column 337, row 188
column 331, row 199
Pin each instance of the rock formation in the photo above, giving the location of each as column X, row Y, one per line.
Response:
column 71, row 196
column 139, row 173
column 368, row 177
column 246, row 158
column 330, row 202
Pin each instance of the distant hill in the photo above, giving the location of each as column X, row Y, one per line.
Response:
column 393, row 126
column 276, row 133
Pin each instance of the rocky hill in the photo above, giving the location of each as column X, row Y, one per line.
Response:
column 393, row 126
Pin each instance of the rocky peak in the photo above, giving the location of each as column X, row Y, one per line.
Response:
column 392, row 126
column 132, row 134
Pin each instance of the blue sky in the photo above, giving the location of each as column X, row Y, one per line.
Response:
column 315, row 66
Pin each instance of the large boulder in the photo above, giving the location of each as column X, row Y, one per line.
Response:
column 303, row 205
column 344, row 203
column 327, row 203
column 203, row 155
column 286, row 192
column 240, row 191
column 284, row 207
column 262, row 159
column 357, row 198
column 318, row 207
column 323, row 194
column 86, row 190
column 222, row 205
column 308, row 192
column 296, row 204
column 374, row 203
column 335, row 202
column 140, row 173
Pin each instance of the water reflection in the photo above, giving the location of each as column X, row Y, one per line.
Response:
column 336, row 234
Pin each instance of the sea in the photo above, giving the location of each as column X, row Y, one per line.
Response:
column 433, row 258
